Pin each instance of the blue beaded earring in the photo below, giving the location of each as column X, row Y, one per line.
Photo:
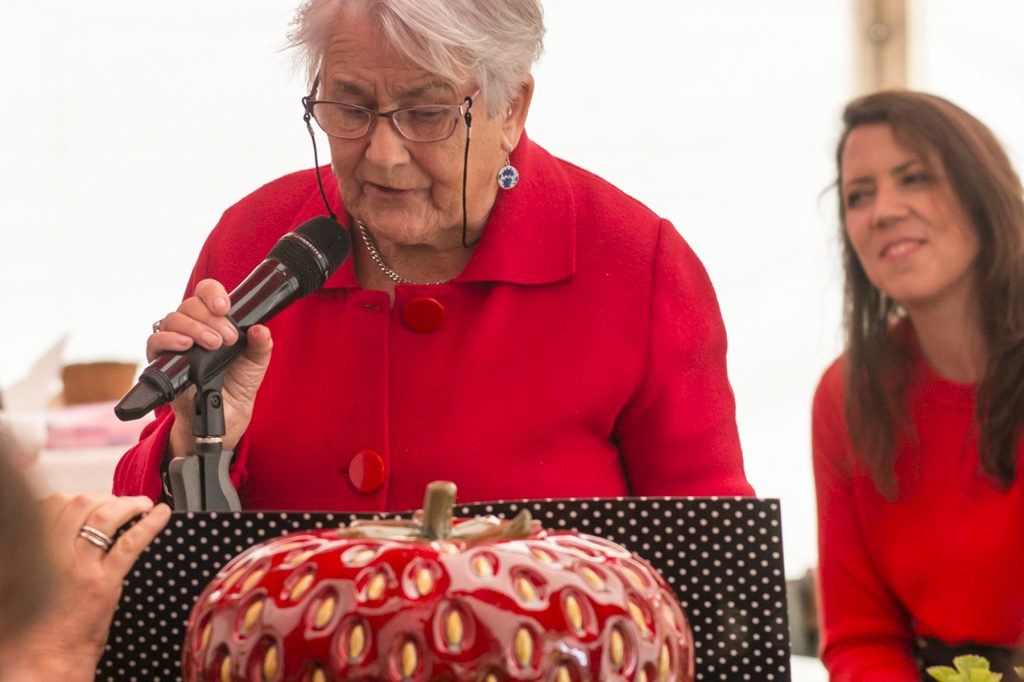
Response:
column 508, row 176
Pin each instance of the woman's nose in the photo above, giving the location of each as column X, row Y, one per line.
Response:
column 890, row 206
column 386, row 146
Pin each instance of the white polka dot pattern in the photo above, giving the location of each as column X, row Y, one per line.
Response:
column 723, row 556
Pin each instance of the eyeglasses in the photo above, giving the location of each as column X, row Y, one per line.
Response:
column 421, row 123
column 355, row 122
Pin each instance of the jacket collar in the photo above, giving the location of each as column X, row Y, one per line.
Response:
column 530, row 236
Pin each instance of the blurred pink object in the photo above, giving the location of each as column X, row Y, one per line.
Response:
column 89, row 424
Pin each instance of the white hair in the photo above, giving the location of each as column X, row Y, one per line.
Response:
column 493, row 42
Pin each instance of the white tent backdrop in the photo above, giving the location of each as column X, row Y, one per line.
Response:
column 127, row 127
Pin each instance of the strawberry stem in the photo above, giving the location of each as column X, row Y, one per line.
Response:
column 438, row 503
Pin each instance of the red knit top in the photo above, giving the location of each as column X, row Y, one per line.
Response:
column 945, row 560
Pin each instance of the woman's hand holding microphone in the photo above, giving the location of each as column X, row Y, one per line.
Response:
column 202, row 320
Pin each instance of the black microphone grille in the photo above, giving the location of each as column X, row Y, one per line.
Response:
column 313, row 251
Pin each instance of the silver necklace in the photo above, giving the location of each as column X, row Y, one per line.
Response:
column 379, row 260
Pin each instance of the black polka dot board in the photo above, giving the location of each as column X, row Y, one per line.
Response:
column 723, row 556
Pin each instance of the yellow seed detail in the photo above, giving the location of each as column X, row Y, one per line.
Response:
column 356, row 643
column 270, row 664
column 524, row 647
column 642, row 676
column 409, row 659
column 617, row 648
column 225, row 669
column 301, row 587
column 526, row 590
column 424, row 582
column 638, row 616
column 543, row 557
column 491, row 677
column 251, row 581
column 233, row 578
column 664, row 663
column 204, row 639
column 324, row 612
column 454, row 630
column 362, row 558
column 252, row 614
column 572, row 549
column 318, row 675
column 483, row 567
column 376, row 587
column 563, row 674
column 634, row 578
column 573, row 613
column 591, row 576
column 299, row 558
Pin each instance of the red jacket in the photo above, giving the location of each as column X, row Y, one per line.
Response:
column 581, row 353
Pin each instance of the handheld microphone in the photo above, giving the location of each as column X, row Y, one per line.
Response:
column 298, row 265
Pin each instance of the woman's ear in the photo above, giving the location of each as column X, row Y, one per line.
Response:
column 515, row 118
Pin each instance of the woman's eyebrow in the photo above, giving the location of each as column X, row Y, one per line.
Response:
column 903, row 167
column 868, row 179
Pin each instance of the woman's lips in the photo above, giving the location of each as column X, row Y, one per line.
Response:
column 386, row 191
column 901, row 248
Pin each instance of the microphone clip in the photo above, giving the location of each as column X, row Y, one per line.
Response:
column 201, row 480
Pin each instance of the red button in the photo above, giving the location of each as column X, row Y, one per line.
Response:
column 367, row 471
column 423, row 314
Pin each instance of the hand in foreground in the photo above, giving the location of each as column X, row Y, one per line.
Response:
column 202, row 319
column 67, row 641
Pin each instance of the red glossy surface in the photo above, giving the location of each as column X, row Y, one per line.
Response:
column 546, row 607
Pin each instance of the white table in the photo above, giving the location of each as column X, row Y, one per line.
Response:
column 77, row 470
column 807, row 669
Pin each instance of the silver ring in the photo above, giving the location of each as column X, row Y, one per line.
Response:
column 96, row 537
column 156, row 325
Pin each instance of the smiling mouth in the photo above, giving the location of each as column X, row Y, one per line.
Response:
column 901, row 248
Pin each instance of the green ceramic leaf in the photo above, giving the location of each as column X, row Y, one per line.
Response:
column 983, row 675
column 943, row 673
column 968, row 669
column 966, row 664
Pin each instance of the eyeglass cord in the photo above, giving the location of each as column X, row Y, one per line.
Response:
column 465, row 170
column 316, row 165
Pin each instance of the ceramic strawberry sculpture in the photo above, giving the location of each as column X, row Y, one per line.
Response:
column 431, row 599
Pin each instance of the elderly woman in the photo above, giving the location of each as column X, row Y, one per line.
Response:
column 918, row 426
column 507, row 320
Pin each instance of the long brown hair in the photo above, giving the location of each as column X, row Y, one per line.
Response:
column 988, row 188
column 25, row 576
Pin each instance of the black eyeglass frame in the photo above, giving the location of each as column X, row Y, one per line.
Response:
column 373, row 115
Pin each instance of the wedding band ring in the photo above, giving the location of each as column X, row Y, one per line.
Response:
column 156, row 325
column 96, row 537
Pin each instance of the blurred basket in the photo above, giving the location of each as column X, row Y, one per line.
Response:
column 93, row 382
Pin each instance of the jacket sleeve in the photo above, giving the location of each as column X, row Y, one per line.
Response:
column 678, row 432
column 866, row 634
column 138, row 471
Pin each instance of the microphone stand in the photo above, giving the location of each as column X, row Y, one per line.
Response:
column 201, row 481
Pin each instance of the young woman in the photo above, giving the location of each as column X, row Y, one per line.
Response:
column 917, row 427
